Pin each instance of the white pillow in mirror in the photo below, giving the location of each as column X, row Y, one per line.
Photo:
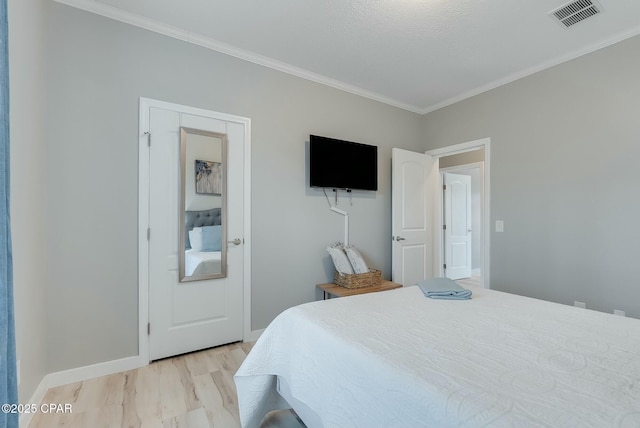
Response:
column 195, row 238
column 340, row 260
column 356, row 260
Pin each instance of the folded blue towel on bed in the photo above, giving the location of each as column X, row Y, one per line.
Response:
column 443, row 288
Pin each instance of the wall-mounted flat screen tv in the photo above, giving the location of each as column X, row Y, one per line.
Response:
column 340, row 164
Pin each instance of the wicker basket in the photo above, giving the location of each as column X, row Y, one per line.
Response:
column 358, row 280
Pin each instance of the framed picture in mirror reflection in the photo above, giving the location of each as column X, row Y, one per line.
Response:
column 208, row 177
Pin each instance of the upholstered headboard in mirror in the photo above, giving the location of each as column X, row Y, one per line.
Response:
column 202, row 218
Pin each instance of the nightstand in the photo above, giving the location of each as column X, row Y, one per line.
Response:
column 332, row 289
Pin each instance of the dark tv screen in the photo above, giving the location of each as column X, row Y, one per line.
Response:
column 340, row 164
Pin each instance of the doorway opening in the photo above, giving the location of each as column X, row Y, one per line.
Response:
column 462, row 219
column 462, row 236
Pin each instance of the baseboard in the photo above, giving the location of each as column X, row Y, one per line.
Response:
column 254, row 335
column 476, row 271
column 79, row 374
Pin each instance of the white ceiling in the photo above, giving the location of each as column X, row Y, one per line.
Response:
column 419, row 55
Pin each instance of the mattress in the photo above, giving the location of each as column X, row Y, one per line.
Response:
column 399, row 359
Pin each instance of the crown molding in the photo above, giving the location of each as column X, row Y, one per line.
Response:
column 535, row 69
column 117, row 14
column 209, row 43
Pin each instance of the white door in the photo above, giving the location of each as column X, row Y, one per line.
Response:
column 187, row 316
column 413, row 182
column 457, row 225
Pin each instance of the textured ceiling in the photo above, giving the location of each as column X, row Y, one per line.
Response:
column 416, row 54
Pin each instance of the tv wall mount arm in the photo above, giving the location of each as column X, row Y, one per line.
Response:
column 346, row 223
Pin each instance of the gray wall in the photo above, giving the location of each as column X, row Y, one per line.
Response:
column 27, row 26
column 565, row 144
column 97, row 70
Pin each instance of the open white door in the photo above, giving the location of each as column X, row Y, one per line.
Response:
column 413, row 187
column 457, row 222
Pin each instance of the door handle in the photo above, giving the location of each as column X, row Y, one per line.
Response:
column 236, row 241
column 399, row 238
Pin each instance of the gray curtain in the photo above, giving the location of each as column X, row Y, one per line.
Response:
column 8, row 381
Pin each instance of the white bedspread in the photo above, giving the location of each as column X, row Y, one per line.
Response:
column 398, row 359
column 202, row 262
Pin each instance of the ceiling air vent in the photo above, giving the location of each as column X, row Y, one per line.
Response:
column 576, row 11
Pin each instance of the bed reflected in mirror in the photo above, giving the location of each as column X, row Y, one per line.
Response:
column 203, row 236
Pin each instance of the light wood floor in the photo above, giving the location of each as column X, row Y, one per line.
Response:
column 189, row 391
column 473, row 280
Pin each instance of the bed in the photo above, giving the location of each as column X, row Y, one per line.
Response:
column 198, row 263
column 399, row 359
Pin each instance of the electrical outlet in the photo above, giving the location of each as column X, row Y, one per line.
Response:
column 580, row 304
column 619, row 313
column 18, row 371
column 499, row 225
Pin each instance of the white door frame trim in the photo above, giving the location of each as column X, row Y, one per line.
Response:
column 453, row 169
column 143, row 216
column 486, row 206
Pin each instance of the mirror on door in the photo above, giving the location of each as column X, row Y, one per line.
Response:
column 203, row 194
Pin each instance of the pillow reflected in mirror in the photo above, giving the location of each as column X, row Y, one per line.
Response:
column 207, row 238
